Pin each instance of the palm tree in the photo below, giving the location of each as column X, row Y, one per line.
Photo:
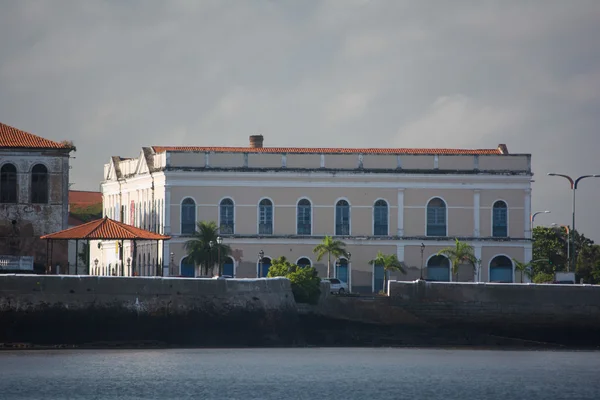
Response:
column 526, row 268
column 389, row 262
column 199, row 251
column 461, row 253
column 330, row 247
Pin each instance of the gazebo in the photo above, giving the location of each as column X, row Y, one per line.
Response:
column 105, row 229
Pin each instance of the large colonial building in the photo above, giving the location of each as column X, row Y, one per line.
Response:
column 283, row 201
column 34, row 190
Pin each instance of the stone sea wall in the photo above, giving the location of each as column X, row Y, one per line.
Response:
column 54, row 309
column 555, row 313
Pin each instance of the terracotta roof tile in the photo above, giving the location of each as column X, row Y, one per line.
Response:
column 15, row 138
column 319, row 150
column 105, row 229
column 82, row 197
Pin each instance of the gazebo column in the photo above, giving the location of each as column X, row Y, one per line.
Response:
column 134, row 257
column 76, row 254
column 158, row 272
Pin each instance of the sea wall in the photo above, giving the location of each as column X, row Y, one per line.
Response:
column 559, row 313
column 52, row 309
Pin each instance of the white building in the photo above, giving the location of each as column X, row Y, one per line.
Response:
column 283, row 201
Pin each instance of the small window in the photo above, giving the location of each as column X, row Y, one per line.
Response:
column 226, row 215
column 8, row 184
column 500, row 219
column 304, row 218
column 303, row 262
column 265, row 217
column 188, row 216
column 342, row 218
column 436, row 217
column 380, row 218
column 334, row 281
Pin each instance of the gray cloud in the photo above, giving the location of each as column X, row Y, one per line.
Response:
column 114, row 76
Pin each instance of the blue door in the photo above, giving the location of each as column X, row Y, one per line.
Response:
column 378, row 272
column 341, row 270
column 266, row 264
column 187, row 270
column 228, row 267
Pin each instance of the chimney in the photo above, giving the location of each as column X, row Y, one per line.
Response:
column 256, row 141
column 503, row 149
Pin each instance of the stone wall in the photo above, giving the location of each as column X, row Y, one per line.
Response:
column 65, row 309
column 538, row 312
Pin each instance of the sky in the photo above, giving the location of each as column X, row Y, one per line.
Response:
column 114, row 76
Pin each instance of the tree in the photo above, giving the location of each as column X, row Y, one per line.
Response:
column 552, row 244
column 524, row 267
column 389, row 262
column 462, row 253
column 198, row 249
column 84, row 254
column 588, row 264
column 305, row 282
column 331, row 247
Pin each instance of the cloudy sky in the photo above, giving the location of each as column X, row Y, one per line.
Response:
column 117, row 75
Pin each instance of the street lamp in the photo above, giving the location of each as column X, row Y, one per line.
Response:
column 422, row 251
column 261, row 254
column 210, row 245
column 574, row 183
column 172, row 263
column 536, row 213
column 219, row 242
column 95, row 266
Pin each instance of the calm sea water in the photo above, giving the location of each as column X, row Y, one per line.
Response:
column 299, row 374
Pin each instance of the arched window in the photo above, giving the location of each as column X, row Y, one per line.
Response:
column 264, row 266
column 304, row 218
column 436, row 217
column 342, row 218
column 39, row 184
column 500, row 219
column 188, row 216
column 304, row 262
column 380, row 218
column 8, row 184
column 438, row 269
column 226, row 217
column 341, row 270
column 228, row 267
column 265, row 217
column 501, row 269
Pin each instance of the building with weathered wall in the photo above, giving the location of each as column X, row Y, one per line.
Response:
column 283, row 201
column 34, row 187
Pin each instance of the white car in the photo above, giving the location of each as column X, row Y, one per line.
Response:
column 337, row 286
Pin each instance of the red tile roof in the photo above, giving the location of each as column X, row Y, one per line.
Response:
column 319, row 150
column 83, row 197
column 105, row 229
column 15, row 138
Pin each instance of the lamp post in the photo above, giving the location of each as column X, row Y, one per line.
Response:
column 129, row 265
column 536, row 213
column 349, row 272
column 261, row 254
column 574, row 183
column 95, row 266
column 422, row 251
column 210, row 245
column 219, row 242
column 172, row 263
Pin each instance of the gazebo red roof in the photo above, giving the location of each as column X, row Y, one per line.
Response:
column 105, row 229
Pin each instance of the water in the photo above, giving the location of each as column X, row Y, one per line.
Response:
column 299, row 374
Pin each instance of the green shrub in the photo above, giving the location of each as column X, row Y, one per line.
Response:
column 305, row 281
column 542, row 277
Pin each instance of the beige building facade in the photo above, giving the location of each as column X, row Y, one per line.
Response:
column 283, row 201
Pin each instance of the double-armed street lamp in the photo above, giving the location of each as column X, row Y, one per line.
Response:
column 261, row 255
column 574, row 183
column 536, row 213
column 219, row 242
